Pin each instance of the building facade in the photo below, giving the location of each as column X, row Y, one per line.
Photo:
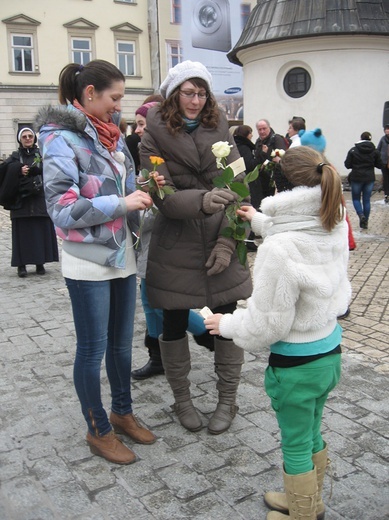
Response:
column 39, row 38
column 327, row 61
column 143, row 38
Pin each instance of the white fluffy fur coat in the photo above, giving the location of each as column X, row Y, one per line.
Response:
column 300, row 275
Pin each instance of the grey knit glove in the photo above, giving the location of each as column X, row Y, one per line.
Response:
column 217, row 199
column 220, row 256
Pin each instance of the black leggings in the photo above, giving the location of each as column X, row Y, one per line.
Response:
column 175, row 322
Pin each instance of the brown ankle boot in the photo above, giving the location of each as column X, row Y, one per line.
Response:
column 129, row 425
column 110, row 448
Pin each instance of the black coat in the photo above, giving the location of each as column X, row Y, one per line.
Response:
column 246, row 149
column 273, row 141
column 362, row 159
column 23, row 195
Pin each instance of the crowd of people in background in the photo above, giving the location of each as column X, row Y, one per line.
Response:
column 117, row 233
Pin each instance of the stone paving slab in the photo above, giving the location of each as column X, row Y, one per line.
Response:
column 47, row 471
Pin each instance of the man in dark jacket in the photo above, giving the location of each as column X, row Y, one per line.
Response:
column 267, row 142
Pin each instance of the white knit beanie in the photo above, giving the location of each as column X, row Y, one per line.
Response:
column 183, row 72
column 24, row 129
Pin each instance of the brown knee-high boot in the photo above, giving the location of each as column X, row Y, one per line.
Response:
column 277, row 501
column 176, row 362
column 228, row 365
column 301, row 496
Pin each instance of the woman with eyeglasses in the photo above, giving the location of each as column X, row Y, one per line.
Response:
column 33, row 237
column 190, row 263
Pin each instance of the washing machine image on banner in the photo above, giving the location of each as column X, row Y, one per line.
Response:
column 211, row 25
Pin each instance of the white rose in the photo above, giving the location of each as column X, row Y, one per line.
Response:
column 277, row 153
column 221, row 149
column 219, row 163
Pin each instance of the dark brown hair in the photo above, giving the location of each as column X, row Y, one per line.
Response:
column 171, row 113
column 298, row 123
column 73, row 79
column 243, row 130
column 152, row 98
column 304, row 166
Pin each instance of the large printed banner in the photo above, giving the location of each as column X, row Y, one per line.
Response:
column 210, row 28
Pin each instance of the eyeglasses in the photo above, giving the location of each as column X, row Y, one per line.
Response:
column 191, row 95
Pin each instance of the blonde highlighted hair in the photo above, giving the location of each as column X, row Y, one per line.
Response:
column 304, row 166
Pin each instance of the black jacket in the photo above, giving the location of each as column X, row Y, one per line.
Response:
column 246, row 149
column 362, row 159
column 23, row 195
column 273, row 141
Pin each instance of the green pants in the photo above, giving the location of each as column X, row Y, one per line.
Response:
column 298, row 395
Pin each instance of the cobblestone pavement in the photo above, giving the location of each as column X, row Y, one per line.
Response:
column 47, row 471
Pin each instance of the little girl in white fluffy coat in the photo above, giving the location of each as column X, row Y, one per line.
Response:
column 300, row 287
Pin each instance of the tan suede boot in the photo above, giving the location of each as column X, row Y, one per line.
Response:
column 110, row 448
column 176, row 362
column 301, row 495
column 129, row 425
column 321, row 461
column 277, row 501
column 228, row 365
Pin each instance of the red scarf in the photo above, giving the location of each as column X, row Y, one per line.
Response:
column 109, row 133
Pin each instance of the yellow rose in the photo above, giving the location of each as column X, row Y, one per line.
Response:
column 221, row 149
column 156, row 161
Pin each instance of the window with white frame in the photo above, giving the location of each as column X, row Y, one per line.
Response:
column 126, row 57
column 22, row 52
column 176, row 11
column 81, row 49
column 174, row 53
column 22, row 45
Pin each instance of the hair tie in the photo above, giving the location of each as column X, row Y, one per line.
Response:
column 80, row 68
column 319, row 167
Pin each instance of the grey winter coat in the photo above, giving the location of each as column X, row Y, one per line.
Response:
column 183, row 235
column 83, row 187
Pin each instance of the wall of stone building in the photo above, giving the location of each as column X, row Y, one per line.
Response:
column 349, row 76
column 21, row 94
column 21, row 106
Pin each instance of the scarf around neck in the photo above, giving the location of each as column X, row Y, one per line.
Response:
column 109, row 133
column 190, row 124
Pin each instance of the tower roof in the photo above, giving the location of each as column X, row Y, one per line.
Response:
column 277, row 20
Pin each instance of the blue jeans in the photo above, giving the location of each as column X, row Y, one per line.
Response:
column 364, row 189
column 154, row 317
column 103, row 314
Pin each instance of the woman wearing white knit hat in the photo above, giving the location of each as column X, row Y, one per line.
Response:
column 190, row 263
